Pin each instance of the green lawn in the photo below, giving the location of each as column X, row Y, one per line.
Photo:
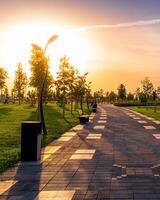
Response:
column 149, row 111
column 11, row 117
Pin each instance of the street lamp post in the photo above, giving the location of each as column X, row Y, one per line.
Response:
column 40, row 102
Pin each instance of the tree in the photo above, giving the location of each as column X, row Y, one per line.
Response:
column 6, row 94
column 147, row 87
column 63, row 82
column 81, row 88
column 32, row 97
column 3, row 77
column 137, row 94
column 39, row 64
column 88, row 93
column 112, row 97
column 72, row 73
column 99, row 95
column 130, row 96
column 121, row 92
column 20, row 82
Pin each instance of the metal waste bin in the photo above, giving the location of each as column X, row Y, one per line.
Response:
column 31, row 140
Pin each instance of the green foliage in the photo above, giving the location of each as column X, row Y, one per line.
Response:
column 135, row 103
column 39, row 66
column 3, row 77
column 65, row 81
column 130, row 96
column 147, row 88
column 112, row 96
column 20, row 82
column 121, row 92
column 149, row 111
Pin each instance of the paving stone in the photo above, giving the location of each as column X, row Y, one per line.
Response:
column 157, row 136
column 102, row 121
column 136, row 118
column 5, row 185
column 103, row 118
column 70, row 134
column 149, row 127
column 98, row 127
column 156, row 121
column 56, row 195
column 85, row 151
column 78, row 128
column 64, row 138
column 93, row 136
column 50, row 149
column 142, row 122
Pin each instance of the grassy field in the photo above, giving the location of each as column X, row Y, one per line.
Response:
column 149, row 111
column 11, row 117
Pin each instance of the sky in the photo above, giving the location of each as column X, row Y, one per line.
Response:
column 116, row 41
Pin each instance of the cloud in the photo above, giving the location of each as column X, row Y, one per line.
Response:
column 121, row 25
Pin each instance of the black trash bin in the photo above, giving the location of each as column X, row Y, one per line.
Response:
column 31, row 140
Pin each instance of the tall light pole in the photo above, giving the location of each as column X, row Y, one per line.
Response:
column 40, row 101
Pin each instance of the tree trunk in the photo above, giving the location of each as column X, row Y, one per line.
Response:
column 155, row 106
column 87, row 103
column 71, row 106
column 19, row 99
column 63, row 106
column 76, row 103
column 81, row 103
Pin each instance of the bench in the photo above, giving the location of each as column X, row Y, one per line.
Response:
column 83, row 118
column 94, row 108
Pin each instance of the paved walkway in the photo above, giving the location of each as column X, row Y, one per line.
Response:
column 115, row 156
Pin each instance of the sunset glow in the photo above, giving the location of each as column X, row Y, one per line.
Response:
column 110, row 43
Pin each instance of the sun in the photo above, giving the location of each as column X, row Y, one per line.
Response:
column 70, row 43
column 73, row 45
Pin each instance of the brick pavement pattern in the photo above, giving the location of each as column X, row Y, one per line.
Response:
column 120, row 160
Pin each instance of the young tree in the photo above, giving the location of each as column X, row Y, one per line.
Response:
column 130, row 96
column 39, row 64
column 122, row 92
column 6, row 94
column 63, row 81
column 137, row 94
column 20, row 82
column 80, row 88
column 3, row 77
column 88, row 93
column 32, row 97
column 147, row 87
column 72, row 73
column 112, row 97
